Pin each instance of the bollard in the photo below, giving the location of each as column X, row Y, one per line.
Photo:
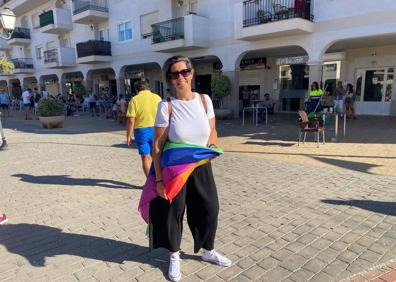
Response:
column 3, row 140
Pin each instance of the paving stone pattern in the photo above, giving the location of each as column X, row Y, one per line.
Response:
column 72, row 203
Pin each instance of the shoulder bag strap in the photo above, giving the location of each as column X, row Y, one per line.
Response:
column 203, row 100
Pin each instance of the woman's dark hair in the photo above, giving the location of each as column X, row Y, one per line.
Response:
column 316, row 85
column 350, row 86
column 173, row 60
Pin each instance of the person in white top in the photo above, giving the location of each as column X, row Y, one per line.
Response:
column 194, row 123
column 44, row 93
column 26, row 102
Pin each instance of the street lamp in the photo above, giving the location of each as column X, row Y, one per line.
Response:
column 7, row 22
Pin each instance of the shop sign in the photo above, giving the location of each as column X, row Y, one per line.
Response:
column 253, row 63
column 292, row 60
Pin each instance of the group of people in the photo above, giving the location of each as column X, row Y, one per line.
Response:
column 344, row 99
column 186, row 118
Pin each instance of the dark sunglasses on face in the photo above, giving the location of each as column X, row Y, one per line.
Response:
column 175, row 74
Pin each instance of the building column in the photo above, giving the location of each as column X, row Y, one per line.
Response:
column 315, row 72
column 232, row 101
column 121, row 89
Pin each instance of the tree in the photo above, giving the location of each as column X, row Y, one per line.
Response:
column 221, row 87
column 6, row 66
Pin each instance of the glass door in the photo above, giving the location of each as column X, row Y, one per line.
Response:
column 374, row 89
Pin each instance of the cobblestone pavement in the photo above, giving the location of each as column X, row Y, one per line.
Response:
column 71, row 196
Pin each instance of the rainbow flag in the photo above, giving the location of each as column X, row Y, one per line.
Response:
column 178, row 161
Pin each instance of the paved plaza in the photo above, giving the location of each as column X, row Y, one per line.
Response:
column 286, row 214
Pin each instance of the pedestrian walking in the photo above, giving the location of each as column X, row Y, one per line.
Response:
column 5, row 102
column 187, row 118
column 26, row 102
column 141, row 113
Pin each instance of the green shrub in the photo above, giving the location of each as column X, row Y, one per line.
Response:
column 49, row 107
column 221, row 87
column 79, row 90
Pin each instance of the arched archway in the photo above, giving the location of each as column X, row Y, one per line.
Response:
column 50, row 83
column 70, row 82
column 150, row 72
column 368, row 63
column 282, row 72
column 30, row 82
column 98, row 79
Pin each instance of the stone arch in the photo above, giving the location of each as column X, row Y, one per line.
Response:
column 50, row 82
column 95, row 79
column 69, row 80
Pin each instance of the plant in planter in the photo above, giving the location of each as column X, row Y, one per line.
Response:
column 51, row 112
column 221, row 87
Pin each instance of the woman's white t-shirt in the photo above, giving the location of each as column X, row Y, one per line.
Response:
column 189, row 122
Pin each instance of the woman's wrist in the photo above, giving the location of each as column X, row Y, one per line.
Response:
column 212, row 146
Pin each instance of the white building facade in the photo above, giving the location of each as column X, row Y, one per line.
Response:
column 265, row 46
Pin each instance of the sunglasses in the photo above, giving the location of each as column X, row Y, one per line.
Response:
column 175, row 74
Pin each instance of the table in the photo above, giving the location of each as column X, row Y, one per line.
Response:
column 255, row 114
column 324, row 114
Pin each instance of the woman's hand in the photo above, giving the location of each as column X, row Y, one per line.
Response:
column 161, row 190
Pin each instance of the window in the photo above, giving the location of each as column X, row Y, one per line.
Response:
column 39, row 52
column 125, row 31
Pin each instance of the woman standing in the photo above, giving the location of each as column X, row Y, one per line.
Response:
column 349, row 101
column 188, row 118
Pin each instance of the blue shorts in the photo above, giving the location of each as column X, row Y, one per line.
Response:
column 144, row 138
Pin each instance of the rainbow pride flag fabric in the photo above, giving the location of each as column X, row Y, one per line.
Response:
column 178, row 161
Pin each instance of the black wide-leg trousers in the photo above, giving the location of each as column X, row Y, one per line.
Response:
column 199, row 194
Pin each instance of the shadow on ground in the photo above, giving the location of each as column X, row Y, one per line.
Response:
column 37, row 242
column 70, row 181
column 355, row 166
column 386, row 208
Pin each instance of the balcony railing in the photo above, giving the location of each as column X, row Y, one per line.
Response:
column 21, row 32
column 46, row 18
column 168, row 30
column 51, row 56
column 80, row 6
column 93, row 48
column 265, row 11
column 23, row 63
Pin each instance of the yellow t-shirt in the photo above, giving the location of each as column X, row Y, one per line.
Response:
column 143, row 107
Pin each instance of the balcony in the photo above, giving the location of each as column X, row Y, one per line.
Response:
column 56, row 21
column 93, row 51
column 181, row 34
column 263, row 19
column 20, row 36
column 23, row 65
column 60, row 58
column 90, row 11
column 20, row 7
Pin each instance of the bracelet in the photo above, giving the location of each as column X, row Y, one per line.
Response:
column 158, row 181
column 212, row 146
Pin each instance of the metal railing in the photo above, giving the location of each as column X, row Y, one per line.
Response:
column 168, row 30
column 46, row 18
column 93, row 47
column 51, row 56
column 264, row 11
column 80, row 6
column 23, row 63
column 21, row 32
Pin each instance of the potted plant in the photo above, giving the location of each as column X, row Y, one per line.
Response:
column 221, row 87
column 51, row 112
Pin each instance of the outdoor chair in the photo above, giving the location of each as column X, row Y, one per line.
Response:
column 314, row 125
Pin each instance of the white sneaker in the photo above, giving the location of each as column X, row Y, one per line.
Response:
column 214, row 257
column 174, row 267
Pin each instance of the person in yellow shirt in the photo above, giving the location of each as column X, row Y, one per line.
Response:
column 141, row 113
